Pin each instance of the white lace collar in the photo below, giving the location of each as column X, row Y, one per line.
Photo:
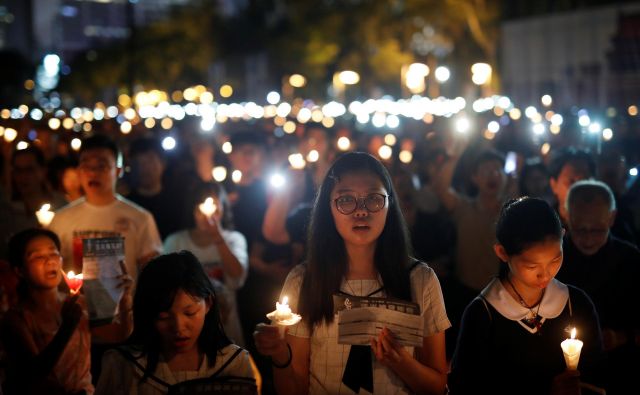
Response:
column 553, row 302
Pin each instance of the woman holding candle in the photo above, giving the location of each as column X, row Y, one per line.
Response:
column 511, row 334
column 357, row 245
column 178, row 338
column 221, row 250
column 47, row 335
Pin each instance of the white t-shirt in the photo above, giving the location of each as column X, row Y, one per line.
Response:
column 210, row 259
column 120, row 376
column 80, row 220
column 328, row 358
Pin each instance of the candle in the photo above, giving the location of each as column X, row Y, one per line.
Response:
column 282, row 316
column 74, row 281
column 208, row 208
column 283, row 311
column 44, row 215
column 571, row 349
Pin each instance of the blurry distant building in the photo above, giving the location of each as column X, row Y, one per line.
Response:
column 69, row 27
column 588, row 58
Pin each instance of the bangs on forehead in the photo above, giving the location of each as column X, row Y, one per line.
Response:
column 165, row 301
column 357, row 172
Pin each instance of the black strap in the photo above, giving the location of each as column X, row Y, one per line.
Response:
column 137, row 364
column 415, row 264
column 358, row 373
column 134, row 360
column 486, row 306
column 235, row 354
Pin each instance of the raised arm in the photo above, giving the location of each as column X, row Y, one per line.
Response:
column 442, row 182
column 274, row 227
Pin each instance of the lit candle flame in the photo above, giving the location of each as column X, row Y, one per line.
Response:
column 74, row 281
column 208, row 208
column 285, row 300
column 573, row 333
column 44, row 215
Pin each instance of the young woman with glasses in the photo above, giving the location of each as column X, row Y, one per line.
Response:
column 357, row 245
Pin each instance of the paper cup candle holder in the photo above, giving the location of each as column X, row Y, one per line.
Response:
column 74, row 281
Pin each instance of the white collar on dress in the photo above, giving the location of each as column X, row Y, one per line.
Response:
column 553, row 302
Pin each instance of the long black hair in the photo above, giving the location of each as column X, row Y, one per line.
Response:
column 327, row 263
column 156, row 289
column 523, row 222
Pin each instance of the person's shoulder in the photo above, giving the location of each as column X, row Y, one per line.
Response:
column 176, row 237
column 122, row 356
column 241, row 363
column 231, row 234
column 297, row 272
column 13, row 319
column 420, row 267
column 578, row 295
column 70, row 208
column 624, row 246
column 132, row 210
column 478, row 310
column 124, row 203
column 422, row 270
column 232, row 348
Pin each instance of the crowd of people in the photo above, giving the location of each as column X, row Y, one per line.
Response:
column 499, row 263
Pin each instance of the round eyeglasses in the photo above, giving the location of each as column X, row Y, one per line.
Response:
column 373, row 202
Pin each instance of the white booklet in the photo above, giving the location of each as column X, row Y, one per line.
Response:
column 360, row 318
column 101, row 265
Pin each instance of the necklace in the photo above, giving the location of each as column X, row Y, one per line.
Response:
column 534, row 319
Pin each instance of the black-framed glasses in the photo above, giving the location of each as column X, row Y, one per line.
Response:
column 373, row 202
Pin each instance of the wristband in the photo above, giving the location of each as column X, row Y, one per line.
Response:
column 286, row 364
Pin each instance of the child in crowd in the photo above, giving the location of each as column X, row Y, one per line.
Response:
column 222, row 251
column 178, row 343
column 47, row 336
column 358, row 245
column 510, row 336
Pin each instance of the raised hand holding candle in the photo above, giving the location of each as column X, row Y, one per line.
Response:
column 571, row 349
column 208, row 208
column 283, row 316
column 74, row 281
column 44, row 215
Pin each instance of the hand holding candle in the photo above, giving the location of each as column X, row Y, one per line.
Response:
column 208, row 208
column 74, row 281
column 282, row 316
column 571, row 349
column 44, row 215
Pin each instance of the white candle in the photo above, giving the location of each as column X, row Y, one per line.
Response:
column 571, row 349
column 283, row 311
column 282, row 316
column 208, row 208
column 44, row 215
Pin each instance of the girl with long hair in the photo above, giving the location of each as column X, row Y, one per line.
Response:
column 357, row 245
column 178, row 339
